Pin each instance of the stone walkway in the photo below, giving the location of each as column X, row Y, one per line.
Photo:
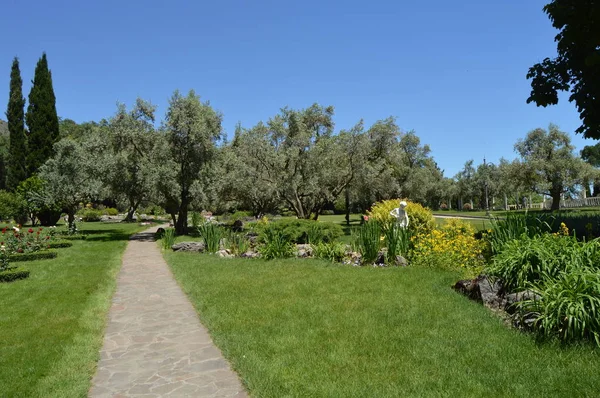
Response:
column 155, row 345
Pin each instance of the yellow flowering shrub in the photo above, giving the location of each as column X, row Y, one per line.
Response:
column 451, row 246
column 420, row 219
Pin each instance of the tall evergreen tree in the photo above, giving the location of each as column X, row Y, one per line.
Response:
column 16, row 169
column 42, row 119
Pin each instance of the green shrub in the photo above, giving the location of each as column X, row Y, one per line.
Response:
column 526, row 260
column 211, row 235
column 302, row 231
column 13, row 206
column 43, row 255
column 327, row 212
column 58, row 245
column 569, row 307
column 240, row 215
column 168, row 238
column 332, row 251
column 13, row 274
column 275, row 245
column 111, row 211
column 368, row 241
column 196, row 220
column 420, row 219
column 91, row 215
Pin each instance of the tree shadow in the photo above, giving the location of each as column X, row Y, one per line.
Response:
column 111, row 235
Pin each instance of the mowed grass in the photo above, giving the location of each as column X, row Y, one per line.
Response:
column 52, row 324
column 304, row 328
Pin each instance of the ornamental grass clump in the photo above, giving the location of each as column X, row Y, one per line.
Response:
column 275, row 245
column 568, row 306
column 397, row 241
column 368, row 241
column 168, row 238
column 514, row 226
column 452, row 246
column 237, row 243
column 211, row 235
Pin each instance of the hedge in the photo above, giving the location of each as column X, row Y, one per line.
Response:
column 13, row 274
column 58, row 245
column 32, row 256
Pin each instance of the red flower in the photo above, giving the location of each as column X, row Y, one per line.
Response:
column 19, row 250
column 47, row 237
column 30, row 230
column 38, row 232
column 366, row 218
column 41, row 229
column 4, row 230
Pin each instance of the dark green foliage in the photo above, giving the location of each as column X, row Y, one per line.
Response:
column 577, row 66
column 168, row 238
column 59, row 245
column 44, row 255
column 13, row 274
column 275, row 245
column 12, row 207
column 526, row 260
column 17, row 166
column 41, row 117
column 398, row 242
column 368, row 241
column 211, row 235
column 569, row 307
column 303, row 231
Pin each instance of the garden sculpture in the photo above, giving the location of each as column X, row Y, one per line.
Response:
column 400, row 214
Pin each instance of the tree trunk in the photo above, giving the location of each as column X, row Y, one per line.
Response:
column 596, row 188
column 555, row 193
column 347, row 207
column 132, row 209
column 505, row 202
column 71, row 219
column 181, row 226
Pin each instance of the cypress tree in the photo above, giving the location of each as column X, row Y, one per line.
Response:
column 42, row 119
column 16, row 167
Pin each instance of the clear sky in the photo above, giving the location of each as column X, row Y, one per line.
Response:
column 452, row 71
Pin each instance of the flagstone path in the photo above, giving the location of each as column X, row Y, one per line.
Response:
column 155, row 345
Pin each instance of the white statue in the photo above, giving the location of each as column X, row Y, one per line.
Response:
column 401, row 215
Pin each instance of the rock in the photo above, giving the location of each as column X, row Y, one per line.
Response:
column 189, row 247
column 250, row 254
column 238, row 226
column 304, row 250
column 225, row 253
column 400, row 261
column 381, row 257
column 484, row 290
column 491, row 292
column 352, row 258
column 513, row 298
column 252, row 238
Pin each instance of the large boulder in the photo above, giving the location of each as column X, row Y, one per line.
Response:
column 225, row 253
column 489, row 292
column 189, row 247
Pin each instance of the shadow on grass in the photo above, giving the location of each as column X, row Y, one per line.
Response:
column 108, row 236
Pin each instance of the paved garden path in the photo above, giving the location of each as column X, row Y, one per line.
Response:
column 155, row 345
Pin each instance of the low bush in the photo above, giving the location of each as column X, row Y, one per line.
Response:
column 111, row 211
column 569, row 307
column 13, row 274
column 452, row 246
column 90, row 215
column 332, row 251
column 528, row 260
column 59, row 245
column 301, row 231
column 327, row 212
column 43, row 255
column 420, row 219
column 275, row 245
column 514, row 226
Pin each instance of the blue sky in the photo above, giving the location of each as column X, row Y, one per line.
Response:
column 452, row 71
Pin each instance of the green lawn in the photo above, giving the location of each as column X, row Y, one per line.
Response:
column 51, row 324
column 299, row 328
